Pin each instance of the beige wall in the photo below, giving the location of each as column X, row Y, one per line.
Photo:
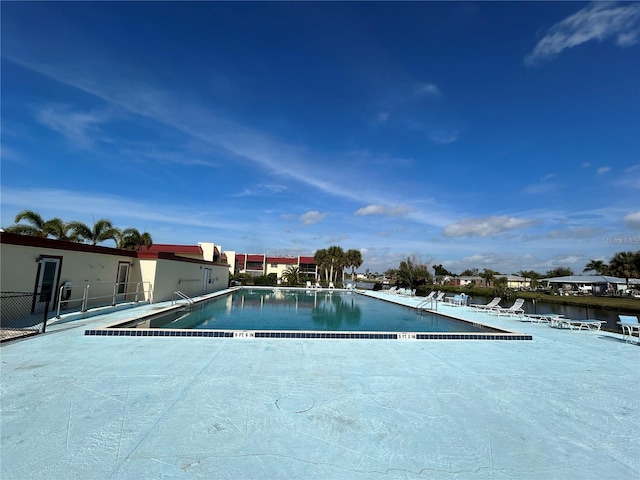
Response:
column 278, row 269
column 19, row 269
column 82, row 266
column 172, row 275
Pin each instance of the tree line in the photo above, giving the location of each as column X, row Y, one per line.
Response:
column 29, row 222
column 412, row 272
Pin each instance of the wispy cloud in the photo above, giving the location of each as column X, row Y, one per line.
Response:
column 575, row 233
column 486, row 226
column 442, row 137
column 602, row 170
column 633, row 220
column 78, row 127
column 261, row 189
column 390, row 211
column 598, row 21
column 312, row 217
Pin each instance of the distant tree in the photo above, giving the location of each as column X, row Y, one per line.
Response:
column 470, row 272
column 353, row 261
column 60, row 230
column 101, row 231
column 440, row 271
column 35, row 225
column 132, row 239
column 412, row 272
column 532, row 276
column 291, row 275
column 336, row 261
column 598, row 266
column 559, row 272
column 321, row 257
column 488, row 276
column 625, row 265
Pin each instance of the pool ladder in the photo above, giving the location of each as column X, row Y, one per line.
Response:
column 182, row 296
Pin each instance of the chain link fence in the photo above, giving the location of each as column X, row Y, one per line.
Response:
column 23, row 314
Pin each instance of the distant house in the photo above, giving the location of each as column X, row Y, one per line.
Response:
column 596, row 284
column 258, row 264
column 513, row 281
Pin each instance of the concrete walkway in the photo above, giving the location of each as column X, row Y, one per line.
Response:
column 563, row 406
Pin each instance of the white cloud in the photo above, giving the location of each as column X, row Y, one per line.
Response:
column 575, row 233
column 391, row 211
column 442, row 137
column 428, row 89
column 312, row 217
column 486, row 226
column 602, row 170
column 598, row 21
column 77, row 127
column 633, row 220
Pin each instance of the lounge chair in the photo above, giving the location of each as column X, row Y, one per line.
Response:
column 392, row 290
column 629, row 324
column 515, row 309
column 591, row 325
column 308, row 284
column 331, row 285
column 488, row 306
column 542, row 317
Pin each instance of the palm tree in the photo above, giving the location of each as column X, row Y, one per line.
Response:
column 102, row 230
column 625, row 265
column 35, row 225
column 598, row 266
column 354, row 260
column 488, row 276
column 59, row 230
column 321, row 257
column 132, row 239
column 292, row 275
column 336, row 260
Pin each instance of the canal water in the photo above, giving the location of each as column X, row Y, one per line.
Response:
column 569, row 311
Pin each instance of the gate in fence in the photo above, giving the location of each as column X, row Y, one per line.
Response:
column 23, row 314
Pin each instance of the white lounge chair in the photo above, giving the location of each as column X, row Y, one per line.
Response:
column 515, row 309
column 331, row 285
column 591, row 325
column 542, row 317
column 629, row 324
column 488, row 306
column 308, row 284
column 392, row 290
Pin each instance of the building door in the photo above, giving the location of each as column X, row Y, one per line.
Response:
column 47, row 284
column 123, row 278
column 206, row 279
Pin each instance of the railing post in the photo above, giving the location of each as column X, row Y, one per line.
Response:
column 46, row 314
column 85, row 298
column 113, row 299
column 59, row 302
column 137, row 289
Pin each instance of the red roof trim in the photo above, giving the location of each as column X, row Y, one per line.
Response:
column 283, row 260
column 168, row 248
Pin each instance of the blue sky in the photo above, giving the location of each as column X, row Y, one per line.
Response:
column 474, row 135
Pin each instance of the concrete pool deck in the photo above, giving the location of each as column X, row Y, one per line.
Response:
column 564, row 405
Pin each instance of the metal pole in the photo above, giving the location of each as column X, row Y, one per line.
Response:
column 85, row 297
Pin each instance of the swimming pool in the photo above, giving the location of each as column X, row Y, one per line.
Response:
column 280, row 313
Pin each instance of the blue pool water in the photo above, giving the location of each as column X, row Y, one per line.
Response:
column 305, row 311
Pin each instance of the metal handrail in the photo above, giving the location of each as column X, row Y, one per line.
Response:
column 184, row 296
column 84, row 306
